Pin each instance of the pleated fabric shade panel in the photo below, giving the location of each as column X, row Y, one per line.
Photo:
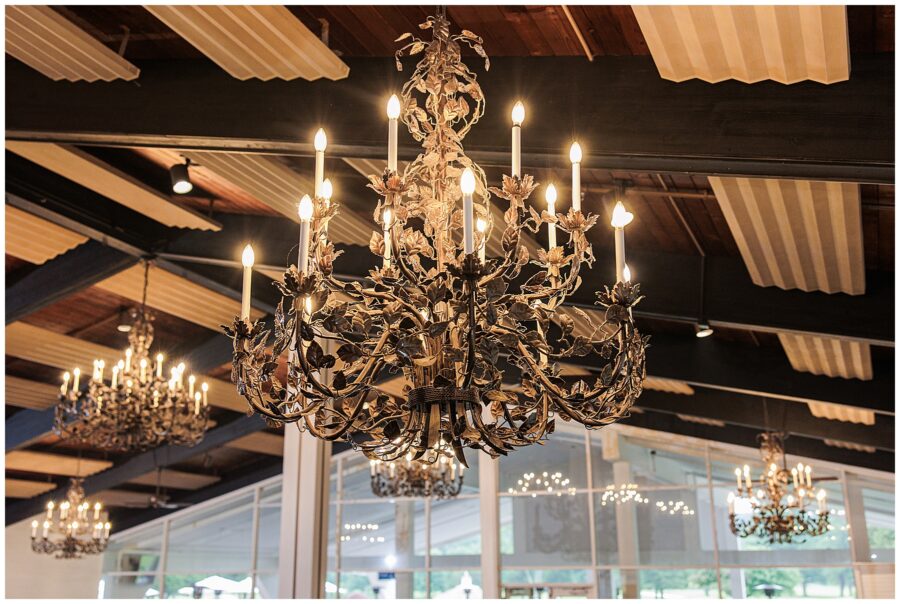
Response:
column 36, row 240
column 176, row 296
column 51, row 463
column 48, row 42
column 175, row 479
column 38, row 345
column 29, row 394
column 833, row 357
column 748, row 43
column 842, row 413
column 842, row 444
column 280, row 188
column 114, row 498
column 260, row 442
column 494, row 246
column 694, row 419
column 667, row 385
column 98, row 176
column 26, row 489
column 796, row 234
column 262, row 42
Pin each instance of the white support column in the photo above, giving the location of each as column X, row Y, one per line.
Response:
column 488, row 490
column 304, row 516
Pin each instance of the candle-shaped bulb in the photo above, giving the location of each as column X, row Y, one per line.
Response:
column 307, row 304
column 621, row 217
column 575, row 153
column 305, row 209
column 746, row 470
column 387, row 217
column 518, row 113
column 481, row 225
column 467, row 181
column 327, row 189
column 393, row 107
column 550, row 196
column 321, row 141
column 247, row 259
column 626, row 274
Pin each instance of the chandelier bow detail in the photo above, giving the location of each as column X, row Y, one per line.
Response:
column 139, row 408
column 437, row 311
column 73, row 527
column 777, row 510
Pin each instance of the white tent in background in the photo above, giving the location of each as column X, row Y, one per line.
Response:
column 151, row 593
column 245, row 586
column 458, row 592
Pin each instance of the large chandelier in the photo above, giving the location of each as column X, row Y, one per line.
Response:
column 442, row 479
column 73, row 527
column 139, row 408
column 777, row 510
column 437, row 311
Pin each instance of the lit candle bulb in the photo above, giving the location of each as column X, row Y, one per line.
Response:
column 481, row 226
column 204, row 388
column 387, row 217
column 128, row 353
column 620, row 219
column 180, row 375
column 50, row 505
column 77, row 374
column 808, row 472
column 626, row 274
column 106, row 528
column 747, row 476
column 191, row 381
column 34, row 525
column 65, row 384
column 143, row 365
column 159, row 365
column 467, row 184
column 820, row 497
column 247, row 258
column 518, row 116
column 575, row 158
column 46, row 528
column 101, row 365
column 305, row 212
column 64, row 510
column 115, row 376
column 550, row 196
column 393, row 113
column 94, row 371
column 372, row 467
column 320, row 142
column 731, row 503
column 196, row 403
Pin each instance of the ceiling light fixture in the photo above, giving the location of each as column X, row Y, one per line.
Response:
column 407, row 478
column 181, row 179
column 703, row 330
column 433, row 312
column 72, row 528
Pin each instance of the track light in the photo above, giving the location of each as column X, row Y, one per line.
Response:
column 124, row 321
column 181, row 179
column 703, row 330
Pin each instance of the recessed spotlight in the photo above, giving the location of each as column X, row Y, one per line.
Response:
column 703, row 330
column 181, row 179
column 124, row 323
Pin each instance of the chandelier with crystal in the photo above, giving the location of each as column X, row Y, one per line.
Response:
column 72, row 528
column 140, row 407
column 438, row 311
column 777, row 510
column 442, row 479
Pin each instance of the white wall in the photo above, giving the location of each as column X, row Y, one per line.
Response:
column 31, row 575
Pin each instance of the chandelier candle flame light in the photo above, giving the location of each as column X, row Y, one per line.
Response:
column 777, row 512
column 437, row 311
column 73, row 528
column 138, row 409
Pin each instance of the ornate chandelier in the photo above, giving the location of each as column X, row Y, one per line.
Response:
column 551, row 484
column 407, row 478
column 438, row 311
column 72, row 528
column 777, row 512
column 624, row 493
column 139, row 408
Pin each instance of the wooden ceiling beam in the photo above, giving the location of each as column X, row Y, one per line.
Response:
column 619, row 106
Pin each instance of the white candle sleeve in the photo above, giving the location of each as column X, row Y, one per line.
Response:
column 576, row 187
column 320, row 171
column 620, row 254
column 517, row 150
column 392, row 144
column 468, row 223
column 303, row 254
column 245, row 296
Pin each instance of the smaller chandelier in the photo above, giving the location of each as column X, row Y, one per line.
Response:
column 551, row 484
column 361, row 530
column 410, row 478
column 72, row 528
column 139, row 408
column 776, row 511
column 621, row 494
column 674, row 507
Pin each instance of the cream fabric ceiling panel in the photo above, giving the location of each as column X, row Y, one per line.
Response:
column 833, row 357
column 46, row 347
column 262, row 42
column 281, row 188
column 176, row 296
column 796, row 234
column 842, row 413
column 46, row 41
column 748, row 43
column 842, row 444
column 98, row 176
column 29, row 394
column 51, row 463
column 26, row 489
column 175, row 479
column 36, row 240
column 260, row 442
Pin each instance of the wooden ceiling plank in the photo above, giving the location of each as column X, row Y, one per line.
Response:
column 92, row 173
column 52, row 463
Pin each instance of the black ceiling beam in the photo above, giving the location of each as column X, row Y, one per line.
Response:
column 747, row 437
column 68, row 273
column 752, row 411
column 140, row 464
column 627, row 116
column 26, row 426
